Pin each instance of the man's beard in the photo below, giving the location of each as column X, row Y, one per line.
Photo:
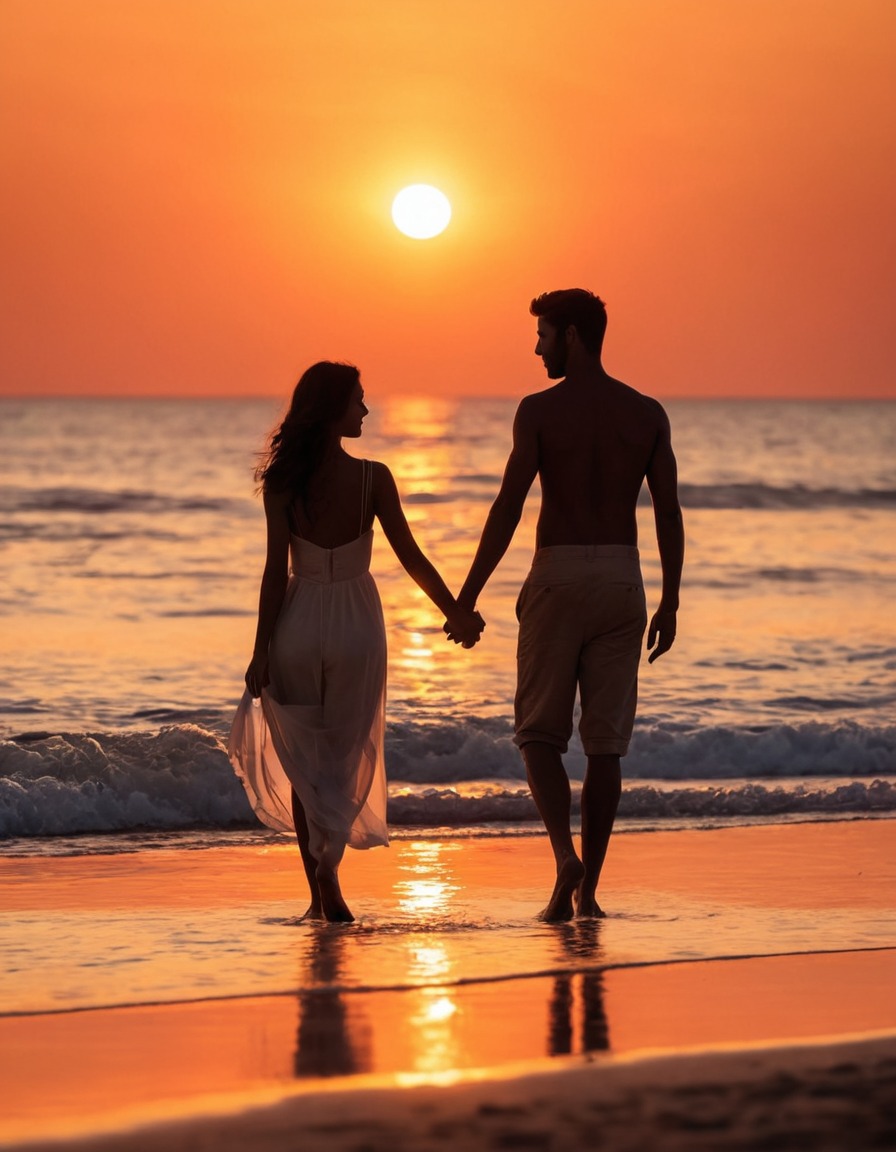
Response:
column 555, row 364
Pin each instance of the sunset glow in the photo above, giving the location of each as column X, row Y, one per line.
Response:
column 421, row 211
column 196, row 198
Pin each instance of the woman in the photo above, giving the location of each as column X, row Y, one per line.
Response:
column 307, row 740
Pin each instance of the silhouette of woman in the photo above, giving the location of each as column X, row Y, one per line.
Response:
column 307, row 739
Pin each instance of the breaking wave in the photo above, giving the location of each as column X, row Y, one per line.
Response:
column 454, row 774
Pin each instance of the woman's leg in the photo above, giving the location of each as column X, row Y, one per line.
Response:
column 327, row 876
column 315, row 909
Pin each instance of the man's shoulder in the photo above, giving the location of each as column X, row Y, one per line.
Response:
column 646, row 407
column 616, row 392
column 536, row 405
column 615, row 403
column 547, row 400
column 536, row 399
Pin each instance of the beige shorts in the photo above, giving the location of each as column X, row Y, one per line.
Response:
column 582, row 615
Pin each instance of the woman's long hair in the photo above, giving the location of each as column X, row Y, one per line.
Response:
column 296, row 448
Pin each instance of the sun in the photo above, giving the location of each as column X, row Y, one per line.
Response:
column 421, row 211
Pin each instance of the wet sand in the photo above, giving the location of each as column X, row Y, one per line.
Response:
column 602, row 1049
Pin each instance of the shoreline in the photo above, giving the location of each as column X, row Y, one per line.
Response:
column 207, row 837
column 447, row 1008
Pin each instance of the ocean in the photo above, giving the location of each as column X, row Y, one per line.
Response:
column 131, row 547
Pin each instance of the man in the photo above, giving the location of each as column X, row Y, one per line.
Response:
column 592, row 441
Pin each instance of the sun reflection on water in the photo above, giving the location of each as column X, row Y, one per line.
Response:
column 425, row 893
column 429, row 418
column 432, row 1010
column 417, row 654
column 428, row 963
column 447, row 474
column 440, row 1008
column 428, row 890
column 436, row 1041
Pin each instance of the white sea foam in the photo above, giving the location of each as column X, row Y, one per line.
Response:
column 452, row 775
column 175, row 778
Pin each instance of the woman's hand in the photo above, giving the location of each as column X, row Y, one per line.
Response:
column 257, row 676
column 464, row 627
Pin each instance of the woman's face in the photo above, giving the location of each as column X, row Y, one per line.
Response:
column 349, row 424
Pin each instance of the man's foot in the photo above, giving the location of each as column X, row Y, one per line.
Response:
column 587, row 906
column 313, row 912
column 334, row 906
column 569, row 876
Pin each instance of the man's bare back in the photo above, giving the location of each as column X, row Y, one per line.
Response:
column 595, row 443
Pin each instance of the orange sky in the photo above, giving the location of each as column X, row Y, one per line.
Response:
column 195, row 193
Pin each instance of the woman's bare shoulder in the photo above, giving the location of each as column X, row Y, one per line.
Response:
column 379, row 471
column 382, row 483
column 276, row 499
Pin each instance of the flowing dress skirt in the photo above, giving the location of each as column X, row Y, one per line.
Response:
column 319, row 726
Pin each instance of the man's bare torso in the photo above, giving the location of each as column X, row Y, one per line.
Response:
column 595, row 443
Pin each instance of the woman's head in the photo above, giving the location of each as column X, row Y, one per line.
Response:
column 327, row 399
column 322, row 394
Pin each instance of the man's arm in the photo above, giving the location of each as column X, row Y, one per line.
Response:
column 521, row 470
column 662, row 480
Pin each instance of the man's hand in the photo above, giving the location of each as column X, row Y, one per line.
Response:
column 661, row 633
column 464, row 627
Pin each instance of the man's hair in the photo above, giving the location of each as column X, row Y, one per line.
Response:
column 586, row 312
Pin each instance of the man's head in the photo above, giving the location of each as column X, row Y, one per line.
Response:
column 564, row 317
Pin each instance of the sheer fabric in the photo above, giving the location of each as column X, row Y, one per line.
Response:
column 319, row 725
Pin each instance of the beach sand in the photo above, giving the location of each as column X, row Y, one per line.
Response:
column 389, row 1035
column 836, row 1097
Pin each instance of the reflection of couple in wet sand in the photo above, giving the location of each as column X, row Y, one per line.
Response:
column 307, row 740
column 336, row 1024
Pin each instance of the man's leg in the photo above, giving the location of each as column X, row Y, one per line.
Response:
column 600, row 799
column 550, row 789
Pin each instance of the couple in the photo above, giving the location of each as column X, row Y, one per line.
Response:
column 307, row 740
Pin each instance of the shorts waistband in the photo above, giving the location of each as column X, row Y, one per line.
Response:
column 586, row 552
column 570, row 563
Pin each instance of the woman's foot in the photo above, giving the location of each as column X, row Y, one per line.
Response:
column 333, row 905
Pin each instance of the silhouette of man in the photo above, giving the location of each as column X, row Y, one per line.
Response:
column 592, row 441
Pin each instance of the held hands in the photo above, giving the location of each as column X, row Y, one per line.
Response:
column 661, row 632
column 464, row 626
column 257, row 674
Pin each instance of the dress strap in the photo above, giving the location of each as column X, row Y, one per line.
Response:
column 366, row 485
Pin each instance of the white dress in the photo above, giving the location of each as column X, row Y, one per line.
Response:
column 319, row 725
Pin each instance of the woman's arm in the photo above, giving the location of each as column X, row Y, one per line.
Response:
column 273, row 586
column 465, row 626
